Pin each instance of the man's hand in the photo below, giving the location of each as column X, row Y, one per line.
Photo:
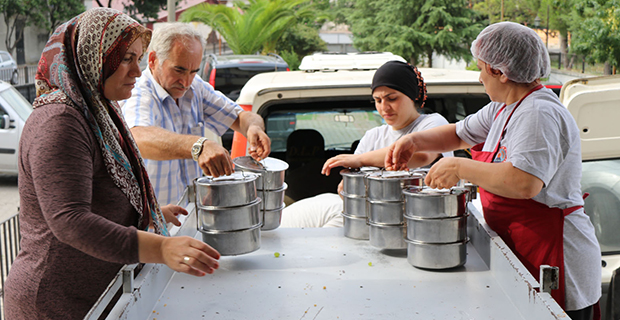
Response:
column 215, row 160
column 260, row 144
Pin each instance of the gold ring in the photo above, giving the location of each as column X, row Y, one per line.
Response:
column 186, row 259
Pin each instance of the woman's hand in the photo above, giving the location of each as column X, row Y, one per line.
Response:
column 399, row 154
column 171, row 212
column 188, row 255
column 341, row 160
column 444, row 173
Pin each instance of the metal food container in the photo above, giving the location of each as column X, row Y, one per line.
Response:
column 443, row 230
column 354, row 205
column 385, row 212
column 387, row 236
column 218, row 192
column 436, row 255
column 230, row 218
column 355, row 227
column 272, row 218
column 354, row 180
column 232, row 243
column 271, row 171
column 272, row 199
column 425, row 202
column 389, row 185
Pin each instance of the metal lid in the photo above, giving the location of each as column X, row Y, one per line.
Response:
column 398, row 175
column 430, row 192
column 356, row 172
column 234, row 178
column 267, row 164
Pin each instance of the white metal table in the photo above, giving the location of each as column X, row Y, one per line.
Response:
column 320, row 274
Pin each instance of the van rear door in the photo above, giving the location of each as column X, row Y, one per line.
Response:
column 595, row 105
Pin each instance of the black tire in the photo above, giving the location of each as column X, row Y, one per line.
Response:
column 14, row 77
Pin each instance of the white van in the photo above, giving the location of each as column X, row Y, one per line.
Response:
column 312, row 116
column 595, row 105
column 14, row 110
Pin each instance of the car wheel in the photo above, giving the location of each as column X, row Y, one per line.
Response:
column 14, row 77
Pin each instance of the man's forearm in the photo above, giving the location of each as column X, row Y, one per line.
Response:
column 245, row 120
column 160, row 144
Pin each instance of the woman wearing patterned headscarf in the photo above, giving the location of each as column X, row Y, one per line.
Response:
column 86, row 200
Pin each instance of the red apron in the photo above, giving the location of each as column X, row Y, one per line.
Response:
column 532, row 230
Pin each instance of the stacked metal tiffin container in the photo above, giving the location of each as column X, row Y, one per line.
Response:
column 385, row 207
column 354, row 197
column 270, row 186
column 436, row 227
column 228, row 211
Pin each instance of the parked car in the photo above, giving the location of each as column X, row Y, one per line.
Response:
column 349, row 61
column 594, row 102
column 14, row 110
column 229, row 73
column 8, row 68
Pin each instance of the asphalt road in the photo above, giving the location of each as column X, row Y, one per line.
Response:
column 9, row 197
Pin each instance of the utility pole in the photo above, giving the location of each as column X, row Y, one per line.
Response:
column 547, row 32
column 172, row 8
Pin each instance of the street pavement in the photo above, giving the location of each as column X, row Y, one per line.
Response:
column 9, row 196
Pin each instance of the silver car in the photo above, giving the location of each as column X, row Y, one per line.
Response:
column 8, row 68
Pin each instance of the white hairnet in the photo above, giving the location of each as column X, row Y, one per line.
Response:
column 514, row 49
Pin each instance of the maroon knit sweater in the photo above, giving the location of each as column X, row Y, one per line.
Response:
column 77, row 227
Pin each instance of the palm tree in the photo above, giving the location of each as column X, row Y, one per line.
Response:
column 251, row 27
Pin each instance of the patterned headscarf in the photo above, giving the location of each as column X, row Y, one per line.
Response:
column 79, row 56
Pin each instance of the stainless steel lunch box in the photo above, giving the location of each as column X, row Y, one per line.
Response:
column 354, row 180
column 444, row 230
column 389, row 185
column 354, row 205
column 424, row 202
column 355, row 227
column 272, row 199
column 271, row 171
column 436, row 255
column 236, row 189
column 387, row 236
column 385, row 212
column 272, row 218
column 230, row 218
column 231, row 243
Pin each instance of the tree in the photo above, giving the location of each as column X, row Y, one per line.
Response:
column 252, row 27
column 59, row 12
column 298, row 42
column 45, row 14
column 597, row 35
column 141, row 10
column 414, row 29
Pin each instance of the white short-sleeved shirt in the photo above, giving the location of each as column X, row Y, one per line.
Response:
column 543, row 140
column 385, row 135
column 201, row 107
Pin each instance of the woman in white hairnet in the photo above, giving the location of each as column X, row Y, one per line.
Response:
column 527, row 161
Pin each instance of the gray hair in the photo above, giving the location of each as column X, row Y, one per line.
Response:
column 164, row 37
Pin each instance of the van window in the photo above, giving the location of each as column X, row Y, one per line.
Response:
column 18, row 103
column 601, row 179
column 5, row 56
column 343, row 121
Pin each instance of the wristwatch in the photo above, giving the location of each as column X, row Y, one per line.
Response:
column 197, row 148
